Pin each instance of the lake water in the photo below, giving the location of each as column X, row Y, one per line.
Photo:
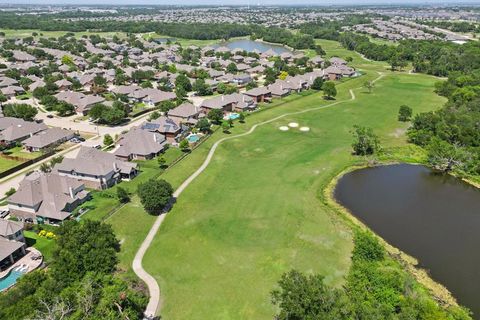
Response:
column 433, row 217
column 249, row 45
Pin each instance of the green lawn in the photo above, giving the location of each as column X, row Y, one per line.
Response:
column 6, row 164
column 45, row 246
column 20, row 152
column 255, row 212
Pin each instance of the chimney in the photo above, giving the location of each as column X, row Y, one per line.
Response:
column 115, row 167
column 223, row 98
column 154, row 137
column 70, row 191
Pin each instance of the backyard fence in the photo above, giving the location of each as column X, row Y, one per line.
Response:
column 25, row 164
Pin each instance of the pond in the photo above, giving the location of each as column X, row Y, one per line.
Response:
column 432, row 217
column 250, row 45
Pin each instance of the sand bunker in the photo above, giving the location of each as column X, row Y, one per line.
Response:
column 304, row 129
column 293, row 125
column 283, row 128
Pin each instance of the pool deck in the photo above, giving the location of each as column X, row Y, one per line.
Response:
column 25, row 260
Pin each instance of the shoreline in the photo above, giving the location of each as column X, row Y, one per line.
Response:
column 439, row 292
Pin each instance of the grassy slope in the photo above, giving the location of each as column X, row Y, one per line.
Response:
column 254, row 213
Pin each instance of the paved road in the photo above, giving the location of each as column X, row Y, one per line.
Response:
column 154, row 304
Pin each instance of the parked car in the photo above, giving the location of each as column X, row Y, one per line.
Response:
column 4, row 213
column 50, row 116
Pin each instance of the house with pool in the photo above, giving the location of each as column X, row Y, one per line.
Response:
column 12, row 243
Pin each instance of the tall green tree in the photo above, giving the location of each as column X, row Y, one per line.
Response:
column 365, row 142
column 155, row 195
column 329, row 89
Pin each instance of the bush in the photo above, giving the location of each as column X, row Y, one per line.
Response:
column 404, row 113
column 122, row 195
column 367, row 247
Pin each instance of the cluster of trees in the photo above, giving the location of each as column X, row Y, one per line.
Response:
column 20, row 110
column 201, row 31
column 44, row 94
column 376, row 288
column 109, row 115
column 328, row 87
column 284, row 36
column 79, row 283
column 455, row 26
column 330, row 29
column 451, row 134
column 434, row 57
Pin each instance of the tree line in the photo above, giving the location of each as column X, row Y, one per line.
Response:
column 376, row 287
column 452, row 134
column 80, row 282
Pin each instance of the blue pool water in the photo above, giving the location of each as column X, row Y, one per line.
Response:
column 193, row 138
column 10, row 279
column 233, row 116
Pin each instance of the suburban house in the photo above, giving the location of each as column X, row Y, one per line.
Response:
column 46, row 197
column 12, row 91
column 96, row 169
column 333, row 73
column 259, row 94
column 185, row 113
column 63, row 84
column 22, row 56
column 49, row 138
column 6, row 82
column 228, row 103
column 151, row 96
column 18, row 130
column 140, row 144
column 82, row 103
column 166, row 126
column 12, row 243
column 278, row 90
column 241, row 79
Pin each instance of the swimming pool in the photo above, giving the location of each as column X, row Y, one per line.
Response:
column 11, row 278
column 193, row 138
column 233, row 116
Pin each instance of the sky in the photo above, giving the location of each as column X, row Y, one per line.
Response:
column 236, row 2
